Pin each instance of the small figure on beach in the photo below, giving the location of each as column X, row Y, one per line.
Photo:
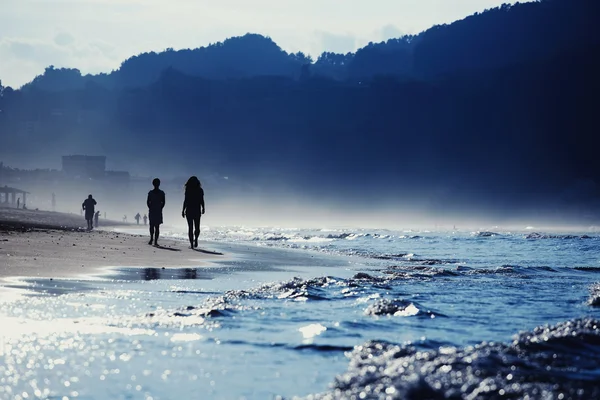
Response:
column 137, row 218
column 124, row 218
column 18, row 202
column 53, row 202
column 193, row 208
column 145, row 219
column 88, row 206
column 96, row 217
column 156, row 203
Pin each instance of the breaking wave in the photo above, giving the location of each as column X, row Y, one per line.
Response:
column 550, row 362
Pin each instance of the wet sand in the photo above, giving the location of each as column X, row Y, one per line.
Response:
column 37, row 255
column 52, row 245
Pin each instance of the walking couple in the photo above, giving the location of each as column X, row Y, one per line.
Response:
column 193, row 208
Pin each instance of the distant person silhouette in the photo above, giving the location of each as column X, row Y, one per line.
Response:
column 124, row 218
column 18, row 202
column 96, row 217
column 145, row 219
column 53, row 202
column 193, row 208
column 89, row 205
column 137, row 218
column 156, row 203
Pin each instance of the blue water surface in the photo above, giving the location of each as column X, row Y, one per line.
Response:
column 292, row 312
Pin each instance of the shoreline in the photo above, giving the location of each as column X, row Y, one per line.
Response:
column 54, row 253
column 54, row 245
column 12, row 219
column 32, row 255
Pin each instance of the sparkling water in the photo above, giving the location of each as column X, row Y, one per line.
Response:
column 321, row 313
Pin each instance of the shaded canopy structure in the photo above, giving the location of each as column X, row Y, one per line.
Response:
column 9, row 196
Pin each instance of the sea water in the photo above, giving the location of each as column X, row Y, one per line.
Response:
column 321, row 313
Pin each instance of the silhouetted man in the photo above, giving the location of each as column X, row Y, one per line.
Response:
column 137, row 218
column 156, row 203
column 18, row 202
column 96, row 217
column 145, row 219
column 88, row 206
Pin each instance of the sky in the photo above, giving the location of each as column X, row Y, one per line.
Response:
column 97, row 35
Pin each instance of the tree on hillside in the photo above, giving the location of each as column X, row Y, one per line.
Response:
column 57, row 79
column 236, row 57
column 333, row 65
column 393, row 57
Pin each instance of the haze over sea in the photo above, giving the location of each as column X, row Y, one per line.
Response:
column 320, row 313
column 491, row 120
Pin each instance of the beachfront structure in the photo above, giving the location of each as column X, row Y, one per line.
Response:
column 9, row 196
column 80, row 175
column 79, row 166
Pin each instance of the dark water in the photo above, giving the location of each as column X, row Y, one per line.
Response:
column 322, row 314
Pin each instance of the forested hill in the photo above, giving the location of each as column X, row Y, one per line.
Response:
column 499, row 37
column 497, row 111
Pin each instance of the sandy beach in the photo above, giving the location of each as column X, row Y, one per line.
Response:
column 50, row 244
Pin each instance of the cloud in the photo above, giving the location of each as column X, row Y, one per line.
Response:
column 21, row 49
column 23, row 59
column 390, row 32
column 63, row 39
column 335, row 42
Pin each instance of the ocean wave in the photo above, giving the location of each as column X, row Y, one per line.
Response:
column 310, row 239
column 302, row 289
column 329, row 288
column 587, row 269
column 536, row 235
column 594, row 299
column 217, row 307
column 233, row 301
column 270, row 237
column 412, row 258
column 559, row 361
column 501, row 270
column 294, row 289
column 425, row 271
column 418, row 271
column 485, row 234
column 399, row 308
column 389, row 256
column 339, row 236
column 363, row 277
column 325, row 348
column 428, row 261
column 403, row 272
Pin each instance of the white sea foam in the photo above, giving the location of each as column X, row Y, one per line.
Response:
column 312, row 330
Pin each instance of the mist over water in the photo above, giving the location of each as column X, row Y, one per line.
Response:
column 465, row 120
column 419, row 219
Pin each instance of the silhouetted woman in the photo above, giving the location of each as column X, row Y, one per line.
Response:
column 193, row 208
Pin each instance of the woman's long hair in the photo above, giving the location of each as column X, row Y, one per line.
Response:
column 193, row 184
